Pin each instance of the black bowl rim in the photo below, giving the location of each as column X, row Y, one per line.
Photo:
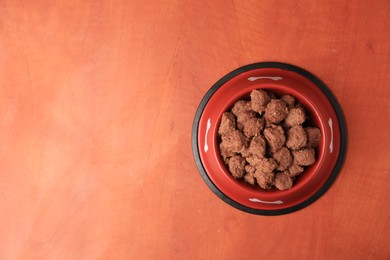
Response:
column 323, row 88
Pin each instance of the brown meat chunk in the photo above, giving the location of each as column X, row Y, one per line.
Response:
column 296, row 138
column 313, row 136
column 228, row 123
column 253, row 126
column 234, row 141
column 276, row 111
column 237, row 166
column 264, row 164
column 289, row 100
column 283, row 181
column 250, row 169
column 243, row 111
column 265, row 179
column 275, row 137
column 283, row 157
column 252, row 160
column 269, row 124
column 304, row 157
column 250, row 174
column 295, row 117
column 250, row 178
column 225, row 153
column 295, row 169
column 241, row 106
column 242, row 118
column 259, row 100
column 257, row 147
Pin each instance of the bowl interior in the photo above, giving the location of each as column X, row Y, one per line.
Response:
column 312, row 120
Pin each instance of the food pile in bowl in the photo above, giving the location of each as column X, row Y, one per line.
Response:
column 269, row 138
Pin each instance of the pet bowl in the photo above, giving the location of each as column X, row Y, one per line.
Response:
column 323, row 110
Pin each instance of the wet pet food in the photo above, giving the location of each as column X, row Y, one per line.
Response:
column 267, row 141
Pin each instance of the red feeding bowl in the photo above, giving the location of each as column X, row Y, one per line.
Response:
column 324, row 112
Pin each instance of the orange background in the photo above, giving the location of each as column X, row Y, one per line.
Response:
column 97, row 100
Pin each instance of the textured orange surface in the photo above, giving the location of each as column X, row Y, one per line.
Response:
column 97, row 100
